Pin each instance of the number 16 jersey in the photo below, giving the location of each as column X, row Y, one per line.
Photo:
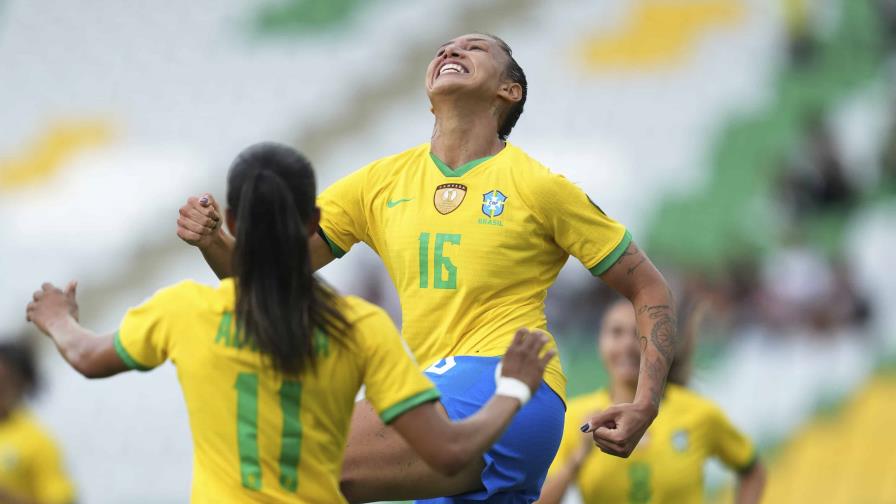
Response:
column 472, row 251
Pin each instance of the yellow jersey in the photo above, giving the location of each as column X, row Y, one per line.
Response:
column 667, row 465
column 30, row 463
column 472, row 251
column 258, row 435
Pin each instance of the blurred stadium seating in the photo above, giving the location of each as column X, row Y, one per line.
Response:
column 750, row 146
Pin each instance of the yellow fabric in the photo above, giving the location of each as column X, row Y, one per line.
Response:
column 193, row 326
column 30, row 463
column 469, row 279
column 844, row 457
column 667, row 466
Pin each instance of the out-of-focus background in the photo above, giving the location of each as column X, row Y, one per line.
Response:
column 749, row 145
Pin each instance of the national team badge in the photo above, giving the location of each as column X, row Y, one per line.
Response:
column 448, row 197
column 493, row 203
column 680, row 440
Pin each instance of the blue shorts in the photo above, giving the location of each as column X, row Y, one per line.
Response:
column 516, row 465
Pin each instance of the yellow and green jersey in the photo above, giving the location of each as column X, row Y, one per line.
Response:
column 30, row 463
column 472, row 251
column 667, row 465
column 259, row 435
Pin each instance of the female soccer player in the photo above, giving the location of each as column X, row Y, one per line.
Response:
column 667, row 467
column 31, row 469
column 470, row 271
column 270, row 361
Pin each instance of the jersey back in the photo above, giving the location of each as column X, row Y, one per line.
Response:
column 260, row 435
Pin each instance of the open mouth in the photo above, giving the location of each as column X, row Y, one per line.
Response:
column 451, row 68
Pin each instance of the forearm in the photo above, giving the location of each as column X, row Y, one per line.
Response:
column 86, row 352
column 8, row 498
column 657, row 327
column 474, row 435
column 555, row 486
column 750, row 485
column 219, row 254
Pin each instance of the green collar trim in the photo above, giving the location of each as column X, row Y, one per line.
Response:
column 448, row 172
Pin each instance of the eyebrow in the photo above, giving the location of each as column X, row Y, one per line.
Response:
column 474, row 39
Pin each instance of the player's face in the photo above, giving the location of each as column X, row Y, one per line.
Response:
column 619, row 343
column 10, row 389
column 470, row 64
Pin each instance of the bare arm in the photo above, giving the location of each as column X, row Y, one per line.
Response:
column 200, row 224
column 556, row 484
column 448, row 447
column 750, row 485
column 618, row 429
column 55, row 313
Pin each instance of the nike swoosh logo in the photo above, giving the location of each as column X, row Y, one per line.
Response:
column 391, row 203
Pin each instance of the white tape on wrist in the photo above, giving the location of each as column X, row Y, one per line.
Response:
column 511, row 387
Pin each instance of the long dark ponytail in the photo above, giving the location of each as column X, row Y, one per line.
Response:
column 279, row 303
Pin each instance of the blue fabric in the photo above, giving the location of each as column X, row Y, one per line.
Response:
column 516, row 466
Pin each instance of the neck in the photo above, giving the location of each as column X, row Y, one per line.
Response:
column 622, row 392
column 464, row 132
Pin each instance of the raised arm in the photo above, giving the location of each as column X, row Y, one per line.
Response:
column 448, row 447
column 618, row 429
column 200, row 223
column 55, row 313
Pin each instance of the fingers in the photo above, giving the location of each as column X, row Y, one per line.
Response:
column 207, row 200
column 71, row 289
column 206, row 217
column 543, row 361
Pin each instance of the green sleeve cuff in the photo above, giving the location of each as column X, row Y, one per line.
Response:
column 611, row 258
column 125, row 356
column 337, row 252
column 391, row 413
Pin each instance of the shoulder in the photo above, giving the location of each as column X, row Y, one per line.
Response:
column 683, row 399
column 537, row 182
column 357, row 310
column 189, row 295
column 33, row 432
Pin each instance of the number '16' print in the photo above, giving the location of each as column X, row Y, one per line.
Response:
column 444, row 272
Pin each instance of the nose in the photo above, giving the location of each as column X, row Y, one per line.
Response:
column 451, row 51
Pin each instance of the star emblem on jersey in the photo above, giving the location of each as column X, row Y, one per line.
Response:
column 448, row 197
column 493, row 203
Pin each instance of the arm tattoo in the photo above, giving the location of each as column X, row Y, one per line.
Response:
column 662, row 336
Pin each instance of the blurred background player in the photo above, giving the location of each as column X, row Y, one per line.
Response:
column 270, row 361
column 31, row 468
column 667, row 466
column 473, row 232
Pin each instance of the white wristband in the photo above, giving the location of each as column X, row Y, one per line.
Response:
column 511, row 387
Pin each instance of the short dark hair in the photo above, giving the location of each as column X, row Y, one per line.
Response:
column 513, row 72
column 19, row 357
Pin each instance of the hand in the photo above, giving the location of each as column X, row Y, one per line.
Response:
column 618, row 429
column 50, row 306
column 522, row 361
column 199, row 221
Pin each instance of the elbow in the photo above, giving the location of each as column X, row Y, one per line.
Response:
column 451, row 460
column 82, row 363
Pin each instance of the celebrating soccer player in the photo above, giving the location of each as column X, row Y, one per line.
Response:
column 271, row 360
column 473, row 232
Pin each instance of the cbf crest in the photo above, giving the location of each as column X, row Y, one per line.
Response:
column 493, row 203
column 448, row 197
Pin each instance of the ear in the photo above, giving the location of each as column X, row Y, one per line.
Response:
column 313, row 222
column 511, row 91
column 230, row 219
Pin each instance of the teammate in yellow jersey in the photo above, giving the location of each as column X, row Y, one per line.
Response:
column 473, row 232
column 31, row 470
column 667, row 466
column 270, row 361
